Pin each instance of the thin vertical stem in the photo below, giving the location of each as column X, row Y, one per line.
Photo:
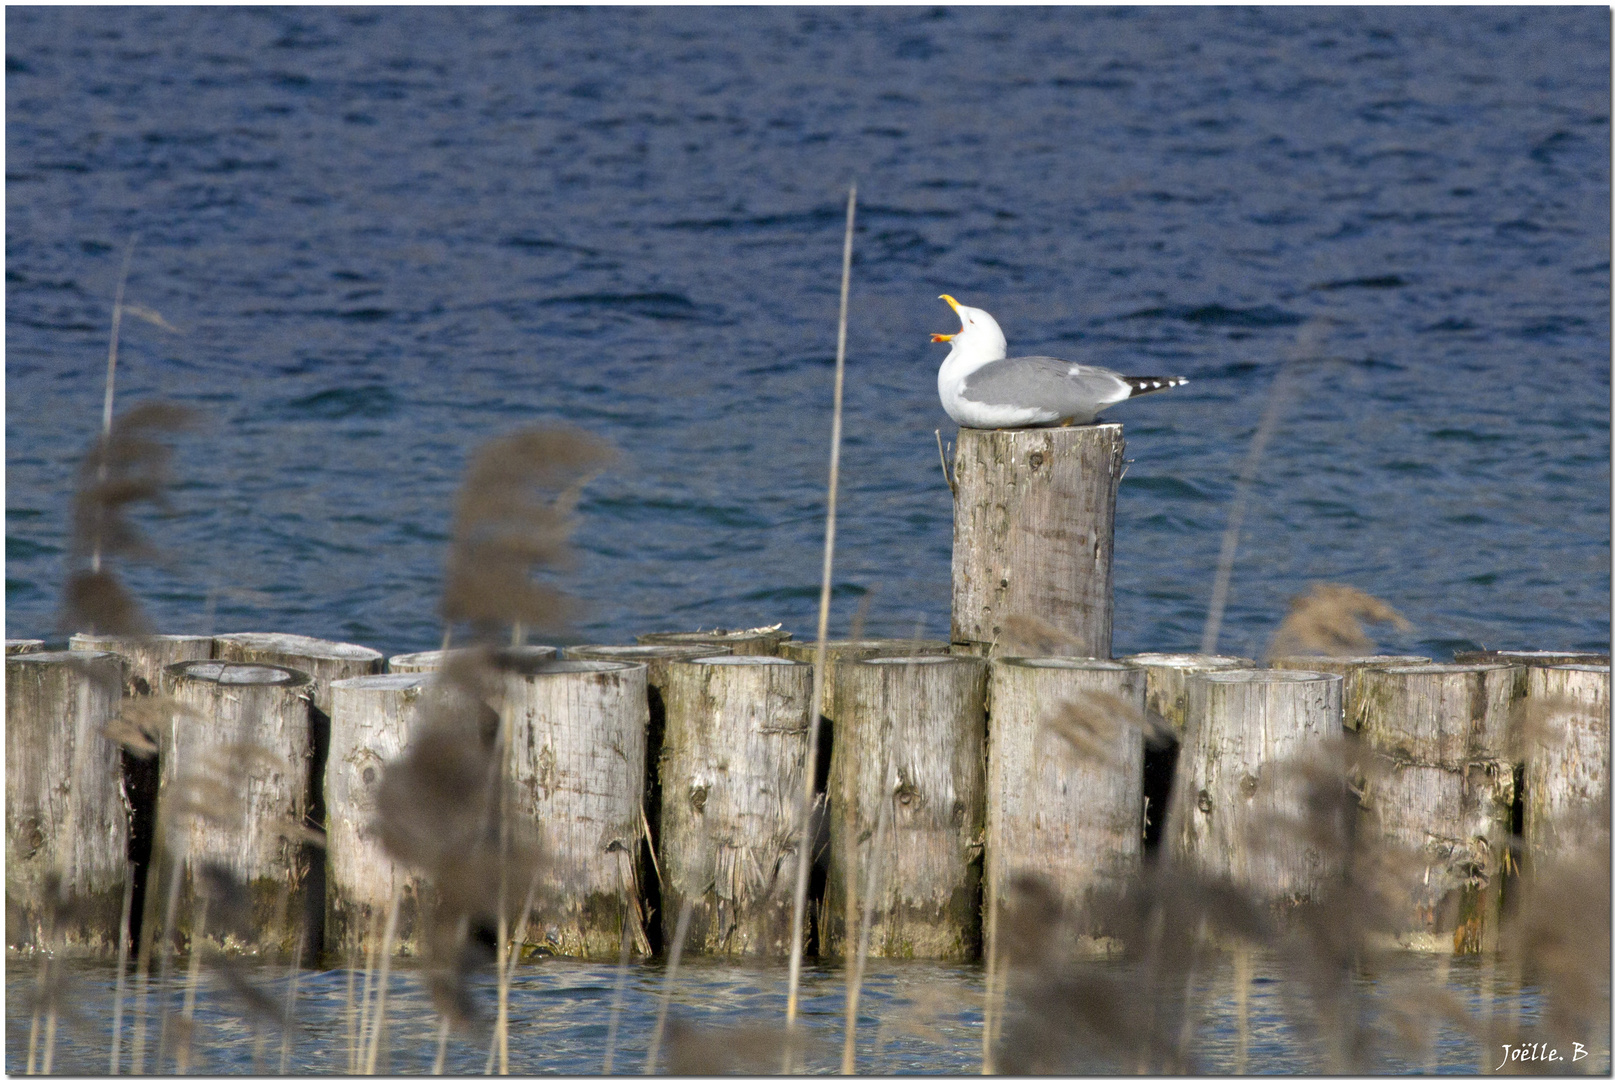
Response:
column 866, row 922
column 1242, row 985
column 988, row 1065
column 112, row 368
column 165, row 969
column 182, row 1056
column 804, row 810
column 378, row 1025
column 289, row 1014
column 352, row 1016
column 123, row 964
column 674, row 951
column 616, row 1000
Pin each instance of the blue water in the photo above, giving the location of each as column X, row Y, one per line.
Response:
column 385, row 236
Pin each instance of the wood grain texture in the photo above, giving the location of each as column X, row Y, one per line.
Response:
column 910, row 745
column 577, row 730
column 1350, row 669
column 67, row 823
column 759, row 641
column 417, row 663
column 1438, row 714
column 1033, row 527
column 1068, row 809
column 1239, row 806
column 234, row 793
column 1567, row 759
column 145, row 657
column 18, row 646
column 732, row 776
column 1166, row 691
column 371, row 720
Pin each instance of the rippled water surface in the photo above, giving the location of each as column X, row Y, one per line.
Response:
column 914, row 1017
column 384, row 236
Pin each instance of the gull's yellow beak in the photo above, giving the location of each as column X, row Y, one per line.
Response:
column 954, row 304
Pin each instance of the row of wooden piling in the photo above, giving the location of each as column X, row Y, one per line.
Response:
column 665, row 776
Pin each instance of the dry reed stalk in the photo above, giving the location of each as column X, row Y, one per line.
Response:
column 809, row 774
column 166, row 967
column 290, row 1013
column 849, row 1048
column 123, row 963
column 504, row 964
column 182, row 1056
column 378, row 1026
column 616, row 1002
column 442, row 1046
column 352, row 1019
column 112, row 369
column 358, row 1051
column 1307, row 342
column 1242, row 987
column 674, row 951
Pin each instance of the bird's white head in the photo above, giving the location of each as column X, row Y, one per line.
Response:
column 978, row 333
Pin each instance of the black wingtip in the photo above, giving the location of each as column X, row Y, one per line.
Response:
column 1148, row 384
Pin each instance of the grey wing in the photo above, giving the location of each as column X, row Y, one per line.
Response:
column 1046, row 382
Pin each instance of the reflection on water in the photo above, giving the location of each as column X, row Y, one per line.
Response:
column 914, row 1017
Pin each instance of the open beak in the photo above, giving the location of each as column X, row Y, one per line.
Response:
column 954, row 304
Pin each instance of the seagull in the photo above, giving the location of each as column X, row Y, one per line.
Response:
column 982, row 387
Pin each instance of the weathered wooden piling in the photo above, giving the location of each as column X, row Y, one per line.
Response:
column 324, row 662
column 1033, row 524
column 371, row 720
column 1441, row 794
column 18, row 646
column 759, row 641
column 416, row 663
column 1166, row 690
column 1256, row 743
column 732, row 767
column 1529, row 657
column 906, row 805
column 146, row 657
column 577, row 742
column 1350, row 669
column 233, row 798
column 1065, row 775
column 67, row 823
column 1565, row 741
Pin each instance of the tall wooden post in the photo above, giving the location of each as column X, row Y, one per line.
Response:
column 1065, row 779
column 234, row 795
column 577, row 745
column 67, row 823
column 371, row 719
column 1033, row 523
column 1567, row 759
column 1441, row 794
column 1240, row 806
column 910, row 746
column 732, row 765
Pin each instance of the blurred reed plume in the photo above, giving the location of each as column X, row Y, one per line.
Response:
column 125, row 466
column 141, row 720
column 443, row 808
column 1028, row 635
column 1324, row 621
column 514, row 515
column 1090, row 726
column 746, row 1050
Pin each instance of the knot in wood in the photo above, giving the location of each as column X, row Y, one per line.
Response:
column 369, row 774
column 1204, row 801
column 698, row 797
column 1247, row 786
column 1034, row 460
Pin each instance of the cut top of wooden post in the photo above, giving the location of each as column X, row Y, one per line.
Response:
column 656, row 658
column 230, row 673
column 1529, row 657
column 1033, row 526
column 1167, row 689
column 862, row 648
column 433, row 660
column 1439, row 714
column 759, row 641
column 322, row 660
column 19, row 646
column 147, row 656
column 1350, row 669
